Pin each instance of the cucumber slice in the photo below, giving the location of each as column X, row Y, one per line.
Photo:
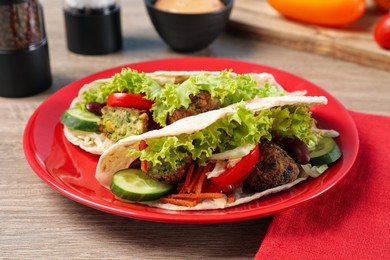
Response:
column 135, row 185
column 326, row 152
column 77, row 119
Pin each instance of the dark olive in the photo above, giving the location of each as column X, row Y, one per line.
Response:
column 296, row 148
column 94, row 107
column 136, row 164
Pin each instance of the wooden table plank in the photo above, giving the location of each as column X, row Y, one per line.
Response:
column 352, row 43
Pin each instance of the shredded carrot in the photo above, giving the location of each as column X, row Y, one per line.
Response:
column 195, row 179
column 199, row 184
column 230, row 198
column 210, row 195
column 188, row 179
column 144, row 164
column 190, row 192
column 179, row 202
column 202, row 178
column 142, row 145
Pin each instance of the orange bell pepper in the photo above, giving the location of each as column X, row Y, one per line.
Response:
column 321, row 12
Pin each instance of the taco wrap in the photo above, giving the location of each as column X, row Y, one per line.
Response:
column 99, row 116
column 217, row 141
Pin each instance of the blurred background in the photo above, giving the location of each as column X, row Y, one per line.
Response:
column 254, row 33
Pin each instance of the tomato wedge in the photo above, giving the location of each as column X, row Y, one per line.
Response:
column 209, row 186
column 235, row 175
column 129, row 100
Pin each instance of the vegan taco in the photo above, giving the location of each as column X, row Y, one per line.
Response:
column 132, row 103
column 223, row 157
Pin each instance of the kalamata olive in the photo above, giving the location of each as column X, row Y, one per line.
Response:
column 296, row 148
column 136, row 164
column 94, row 107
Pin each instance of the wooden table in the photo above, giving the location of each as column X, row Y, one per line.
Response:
column 36, row 222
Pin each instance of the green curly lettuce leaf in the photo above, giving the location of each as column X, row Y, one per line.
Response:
column 234, row 130
column 127, row 81
column 225, row 86
column 229, row 88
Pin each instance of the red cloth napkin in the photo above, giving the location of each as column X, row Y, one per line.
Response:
column 351, row 220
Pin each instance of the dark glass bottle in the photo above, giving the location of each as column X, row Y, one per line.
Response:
column 24, row 54
column 93, row 27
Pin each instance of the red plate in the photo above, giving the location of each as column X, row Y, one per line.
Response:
column 70, row 171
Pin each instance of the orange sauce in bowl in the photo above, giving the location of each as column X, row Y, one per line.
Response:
column 189, row 6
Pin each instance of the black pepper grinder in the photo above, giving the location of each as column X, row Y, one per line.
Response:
column 24, row 54
column 93, row 27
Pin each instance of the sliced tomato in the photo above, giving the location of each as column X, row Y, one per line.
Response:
column 235, row 175
column 209, row 186
column 129, row 100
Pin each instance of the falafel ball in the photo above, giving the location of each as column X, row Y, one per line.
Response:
column 200, row 103
column 120, row 122
column 276, row 168
column 165, row 173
